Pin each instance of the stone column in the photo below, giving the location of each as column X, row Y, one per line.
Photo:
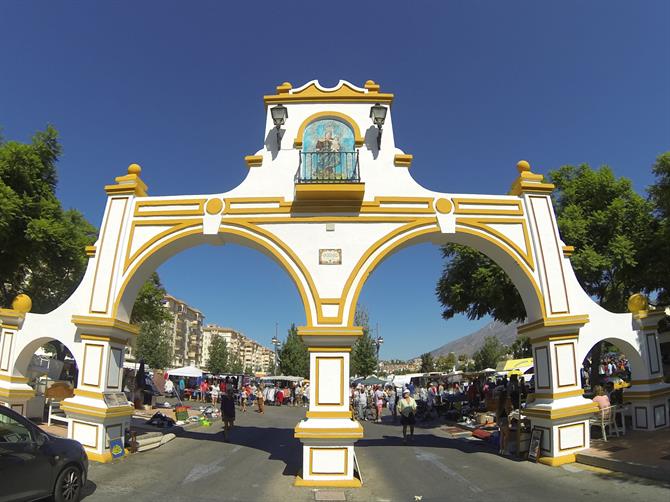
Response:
column 559, row 408
column 14, row 389
column 649, row 396
column 328, row 433
column 99, row 411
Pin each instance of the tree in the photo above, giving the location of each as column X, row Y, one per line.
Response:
column 234, row 365
column 489, row 354
column 521, row 348
column 427, row 363
column 611, row 227
column 446, row 363
column 293, row 355
column 363, row 360
column 41, row 245
column 219, row 357
column 659, row 192
column 153, row 344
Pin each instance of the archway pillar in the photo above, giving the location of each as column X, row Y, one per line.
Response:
column 14, row 389
column 329, row 432
column 650, row 396
column 99, row 410
column 558, row 407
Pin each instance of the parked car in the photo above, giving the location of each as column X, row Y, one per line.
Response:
column 35, row 464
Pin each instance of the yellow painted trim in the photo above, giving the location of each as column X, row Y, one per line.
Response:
column 214, row 206
column 352, row 483
column 88, row 393
column 522, row 187
column 342, row 382
column 253, row 160
column 443, row 206
column 653, row 394
column 330, row 414
column 358, row 139
column 199, row 211
column 568, row 251
column 17, row 394
column 548, row 322
column 14, row 379
column 483, row 225
column 558, row 461
column 90, row 251
column 403, row 160
column 572, row 411
column 344, row 93
column 329, row 349
column 103, row 458
column 559, row 395
column 325, row 434
column 324, row 193
column 330, row 331
column 517, row 211
column 555, row 338
column 173, row 227
column 107, row 322
column 311, row 461
column 109, row 339
column 91, row 411
column 328, row 430
column 135, row 188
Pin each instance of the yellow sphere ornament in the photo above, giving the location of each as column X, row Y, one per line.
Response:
column 22, row 303
column 638, row 303
column 522, row 166
column 134, row 169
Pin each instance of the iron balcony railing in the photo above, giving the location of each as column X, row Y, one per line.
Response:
column 328, row 167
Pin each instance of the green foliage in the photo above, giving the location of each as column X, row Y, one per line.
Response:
column 293, row 356
column 611, row 227
column 153, row 344
column 446, row 363
column 427, row 363
column 659, row 192
column 491, row 352
column 363, row 360
column 41, row 245
column 521, row 348
column 234, row 365
column 219, row 356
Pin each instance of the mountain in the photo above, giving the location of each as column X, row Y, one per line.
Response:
column 469, row 344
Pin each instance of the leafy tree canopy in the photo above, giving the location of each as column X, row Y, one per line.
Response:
column 427, row 363
column 219, row 357
column 363, row 360
column 293, row 356
column 153, row 344
column 490, row 353
column 41, row 245
column 611, row 227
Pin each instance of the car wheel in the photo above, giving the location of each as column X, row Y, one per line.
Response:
column 68, row 485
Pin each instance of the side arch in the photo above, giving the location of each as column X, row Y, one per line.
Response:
column 506, row 258
column 26, row 352
column 185, row 238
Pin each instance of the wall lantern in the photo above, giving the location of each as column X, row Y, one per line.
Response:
column 378, row 115
column 279, row 115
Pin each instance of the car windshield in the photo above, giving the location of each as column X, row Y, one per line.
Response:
column 12, row 431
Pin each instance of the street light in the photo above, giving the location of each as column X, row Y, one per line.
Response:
column 276, row 343
column 378, row 116
column 378, row 343
column 279, row 115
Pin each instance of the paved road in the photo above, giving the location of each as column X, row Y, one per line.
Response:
column 260, row 462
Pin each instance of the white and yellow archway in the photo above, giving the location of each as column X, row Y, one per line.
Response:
column 328, row 207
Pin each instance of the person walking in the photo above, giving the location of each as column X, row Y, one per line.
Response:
column 362, row 403
column 379, row 403
column 214, row 392
column 243, row 400
column 260, row 399
column 407, row 409
column 182, row 387
column 390, row 400
column 227, row 412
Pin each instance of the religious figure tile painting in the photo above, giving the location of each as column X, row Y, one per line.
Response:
column 329, row 151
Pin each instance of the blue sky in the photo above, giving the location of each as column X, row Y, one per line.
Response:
column 177, row 87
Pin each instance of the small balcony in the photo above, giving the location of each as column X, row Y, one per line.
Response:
column 328, row 181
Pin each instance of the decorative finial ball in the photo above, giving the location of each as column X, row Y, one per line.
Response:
column 287, row 84
column 22, row 303
column 134, row 169
column 523, row 165
column 638, row 303
column 370, row 82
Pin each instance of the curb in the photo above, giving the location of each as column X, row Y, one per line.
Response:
column 625, row 467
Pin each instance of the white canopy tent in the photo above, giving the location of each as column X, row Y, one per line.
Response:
column 186, row 371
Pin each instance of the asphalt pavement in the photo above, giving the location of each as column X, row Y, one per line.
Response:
column 262, row 458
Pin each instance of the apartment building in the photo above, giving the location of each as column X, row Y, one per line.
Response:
column 186, row 332
column 249, row 352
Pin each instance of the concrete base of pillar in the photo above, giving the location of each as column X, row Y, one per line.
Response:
column 15, row 394
column 328, row 457
column 649, row 406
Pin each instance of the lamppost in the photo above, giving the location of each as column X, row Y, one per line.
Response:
column 378, row 343
column 276, row 343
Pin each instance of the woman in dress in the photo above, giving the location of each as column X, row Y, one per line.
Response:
column 407, row 409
